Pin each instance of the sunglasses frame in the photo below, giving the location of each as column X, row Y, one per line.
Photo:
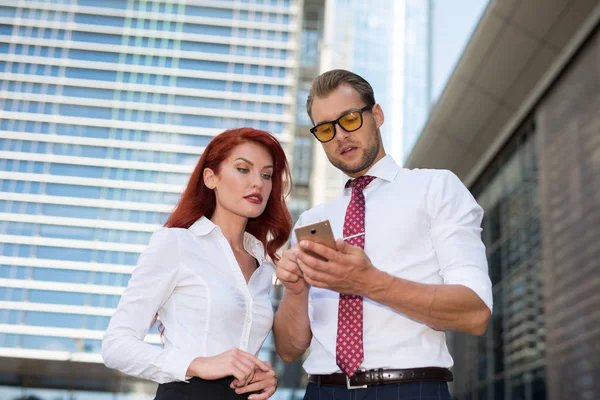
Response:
column 337, row 121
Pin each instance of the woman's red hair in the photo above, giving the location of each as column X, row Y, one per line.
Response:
column 274, row 225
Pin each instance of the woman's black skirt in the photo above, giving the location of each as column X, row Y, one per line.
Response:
column 199, row 389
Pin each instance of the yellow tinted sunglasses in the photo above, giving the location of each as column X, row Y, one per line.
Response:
column 350, row 122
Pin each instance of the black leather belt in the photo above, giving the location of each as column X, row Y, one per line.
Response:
column 364, row 378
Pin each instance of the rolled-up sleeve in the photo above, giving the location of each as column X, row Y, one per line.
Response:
column 152, row 282
column 456, row 235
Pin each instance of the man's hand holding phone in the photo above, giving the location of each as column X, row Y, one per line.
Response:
column 289, row 272
column 330, row 264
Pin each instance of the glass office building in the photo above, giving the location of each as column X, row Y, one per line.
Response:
column 105, row 107
column 418, row 65
column 508, row 362
column 540, row 228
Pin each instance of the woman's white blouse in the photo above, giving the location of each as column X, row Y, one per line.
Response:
column 192, row 279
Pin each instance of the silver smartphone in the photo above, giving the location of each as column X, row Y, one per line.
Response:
column 318, row 232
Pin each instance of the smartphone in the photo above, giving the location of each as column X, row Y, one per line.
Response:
column 319, row 232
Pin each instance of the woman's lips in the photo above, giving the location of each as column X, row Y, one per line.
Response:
column 255, row 198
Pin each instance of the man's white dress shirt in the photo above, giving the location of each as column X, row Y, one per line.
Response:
column 420, row 225
column 192, row 278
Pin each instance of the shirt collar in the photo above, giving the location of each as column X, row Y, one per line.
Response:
column 385, row 169
column 204, row 226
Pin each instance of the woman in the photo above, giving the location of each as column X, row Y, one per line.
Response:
column 208, row 275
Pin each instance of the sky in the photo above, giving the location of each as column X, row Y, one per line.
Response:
column 453, row 24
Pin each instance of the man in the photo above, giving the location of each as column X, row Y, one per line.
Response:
column 375, row 313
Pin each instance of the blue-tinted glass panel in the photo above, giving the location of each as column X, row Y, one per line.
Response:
column 8, row 12
column 11, row 317
column 74, row 91
column 197, row 120
column 16, row 250
column 87, row 55
column 57, row 320
column 85, row 131
column 84, row 171
column 9, row 340
column 67, row 254
column 199, row 65
column 48, row 343
column 52, row 297
column 194, row 83
column 92, row 37
column 99, row 20
column 59, row 189
column 189, row 101
column 205, row 47
column 12, row 294
column 94, row 74
column 13, row 272
column 20, row 186
column 84, row 111
column 80, row 277
column 61, row 275
column 66, row 232
column 79, row 151
column 207, row 29
column 104, row 3
column 17, row 228
column 6, row 30
column 209, row 12
column 58, row 210
column 96, row 322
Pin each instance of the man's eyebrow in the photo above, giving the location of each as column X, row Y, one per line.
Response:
column 342, row 113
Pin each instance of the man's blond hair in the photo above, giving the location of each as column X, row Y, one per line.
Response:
column 328, row 81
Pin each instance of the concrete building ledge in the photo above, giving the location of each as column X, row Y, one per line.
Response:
column 516, row 51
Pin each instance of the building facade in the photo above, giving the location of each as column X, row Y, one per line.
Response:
column 418, row 74
column 105, row 107
column 518, row 121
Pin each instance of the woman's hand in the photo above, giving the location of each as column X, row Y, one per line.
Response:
column 237, row 363
column 265, row 383
column 288, row 271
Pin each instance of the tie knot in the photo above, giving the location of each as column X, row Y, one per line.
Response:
column 360, row 183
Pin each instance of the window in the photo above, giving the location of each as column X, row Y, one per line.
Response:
column 8, row 12
column 87, row 92
column 59, row 189
column 84, row 111
column 92, row 37
column 207, row 29
column 83, row 171
column 103, row 3
column 58, row 320
column 94, row 74
column 209, row 12
column 99, row 20
column 88, row 55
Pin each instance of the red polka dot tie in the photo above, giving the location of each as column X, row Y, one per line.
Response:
column 349, row 353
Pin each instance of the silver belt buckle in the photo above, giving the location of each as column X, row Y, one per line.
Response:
column 350, row 387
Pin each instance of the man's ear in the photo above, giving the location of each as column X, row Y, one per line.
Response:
column 378, row 115
column 210, row 178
